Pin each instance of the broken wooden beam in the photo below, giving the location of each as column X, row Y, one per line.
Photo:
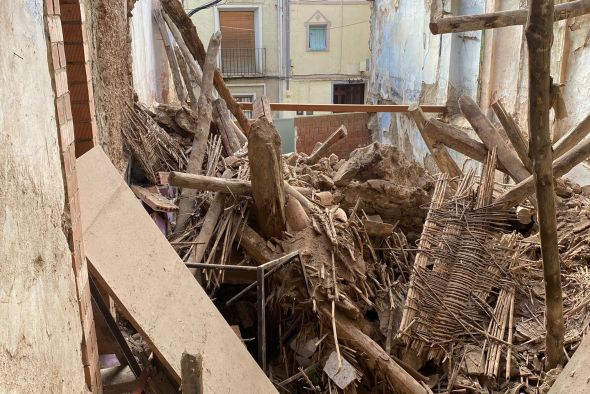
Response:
column 395, row 374
column 209, row 183
column 266, row 174
column 491, row 138
column 572, row 137
column 225, row 125
column 514, row 134
column 177, row 14
column 336, row 136
column 454, row 138
column 539, row 37
column 155, row 201
column 441, row 156
column 561, row 166
column 463, row 23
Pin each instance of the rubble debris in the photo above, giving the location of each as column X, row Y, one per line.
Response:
column 343, row 375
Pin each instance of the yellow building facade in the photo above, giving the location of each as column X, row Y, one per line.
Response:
column 297, row 51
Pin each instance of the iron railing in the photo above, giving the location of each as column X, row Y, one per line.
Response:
column 243, row 61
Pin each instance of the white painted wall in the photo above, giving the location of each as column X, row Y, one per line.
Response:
column 40, row 331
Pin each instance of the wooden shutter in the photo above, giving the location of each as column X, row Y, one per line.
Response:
column 237, row 29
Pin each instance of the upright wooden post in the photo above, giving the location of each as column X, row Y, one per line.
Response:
column 266, row 173
column 539, row 35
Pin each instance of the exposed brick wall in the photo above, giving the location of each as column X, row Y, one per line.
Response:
column 313, row 129
column 75, row 52
column 68, row 146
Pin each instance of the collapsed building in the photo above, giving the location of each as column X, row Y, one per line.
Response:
column 154, row 238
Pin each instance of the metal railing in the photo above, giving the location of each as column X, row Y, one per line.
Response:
column 243, row 61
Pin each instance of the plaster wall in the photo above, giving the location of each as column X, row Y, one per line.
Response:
column 40, row 332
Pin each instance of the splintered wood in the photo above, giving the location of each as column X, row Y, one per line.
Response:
column 462, row 260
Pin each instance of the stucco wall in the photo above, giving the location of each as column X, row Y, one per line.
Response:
column 409, row 64
column 348, row 37
column 40, row 332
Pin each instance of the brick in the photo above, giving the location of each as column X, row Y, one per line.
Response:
column 49, row 7
column 79, row 92
column 84, row 130
column 66, row 132
column 83, row 147
column 55, row 56
column 77, row 73
column 61, row 110
column 71, row 13
column 75, row 53
column 72, row 33
column 62, row 54
column 54, row 27
column 56, row 6
column 81, row 112
column 61, row 82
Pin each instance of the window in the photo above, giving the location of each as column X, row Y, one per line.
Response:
column 349, row 93
column 239, row 54
column 317, row 39
column 245, row 98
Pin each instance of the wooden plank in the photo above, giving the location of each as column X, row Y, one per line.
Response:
column 345, row 107
column 151, row 284
column 155, row 201
column 463, row 23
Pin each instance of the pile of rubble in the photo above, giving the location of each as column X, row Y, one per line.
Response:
column 407, row 281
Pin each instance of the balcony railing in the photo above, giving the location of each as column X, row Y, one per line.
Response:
column 243, row 61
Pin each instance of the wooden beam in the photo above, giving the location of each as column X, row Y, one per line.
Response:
column 210, row 183
column 191, row 38
column 174, row 66
column 572, row 137
column 539, row 35
column 491, row 138
column 463, row 23
column 457, row 140
column 346, row 107
column 514, row 134
column 561, row 166
column 441, row 156
column 199, row 146
column 336, row 136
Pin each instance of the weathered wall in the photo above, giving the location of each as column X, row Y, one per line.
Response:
column 409, row 64
column 151, row 74
column 40, row 332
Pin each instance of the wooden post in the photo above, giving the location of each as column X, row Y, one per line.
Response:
column 177, row 14
column 463, row 23
column 514, row 134
column 191, row 367
column 440, row 154
column 199, row 147
column 266, row 173
column 539, row 35
column 174, row 67
column 336, row 136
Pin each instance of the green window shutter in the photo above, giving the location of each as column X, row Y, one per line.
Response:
column 318, row 38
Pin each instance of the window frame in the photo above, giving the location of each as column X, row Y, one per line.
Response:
column 309, row 27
